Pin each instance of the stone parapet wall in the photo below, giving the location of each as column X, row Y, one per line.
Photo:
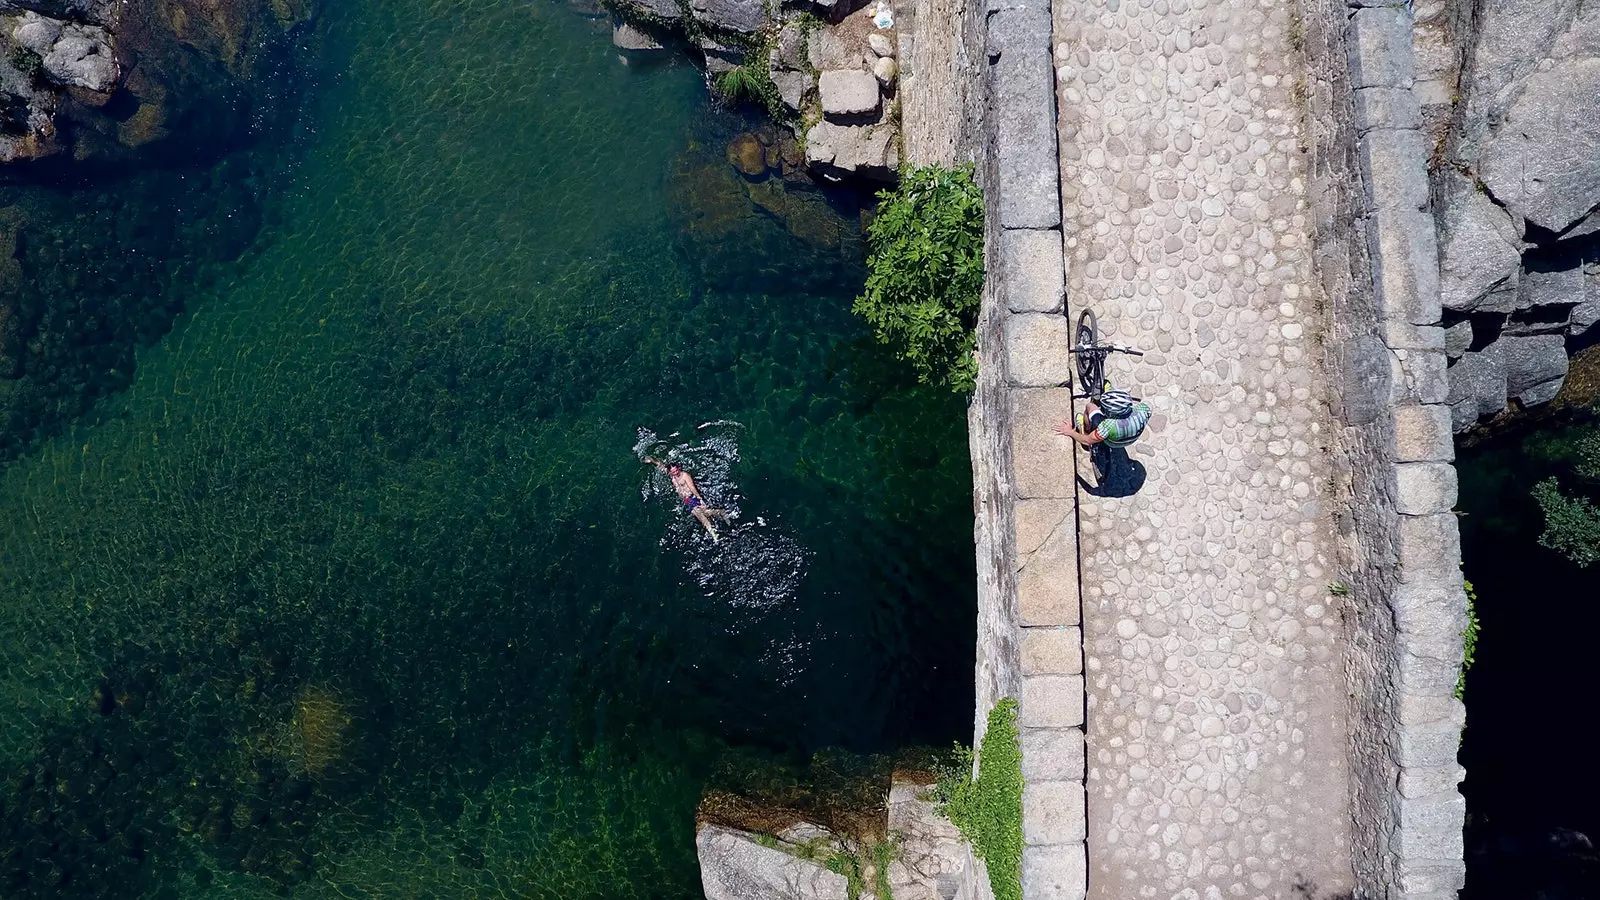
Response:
column 1030, row 640
column 1377, row 257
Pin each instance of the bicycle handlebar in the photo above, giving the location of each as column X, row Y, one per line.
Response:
column 1107, row 348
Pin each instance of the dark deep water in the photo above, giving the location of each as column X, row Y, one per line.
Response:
column 1528, row 749
column 358, row 587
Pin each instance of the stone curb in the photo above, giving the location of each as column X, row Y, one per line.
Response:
column 1422, row 837
column 1027, row 364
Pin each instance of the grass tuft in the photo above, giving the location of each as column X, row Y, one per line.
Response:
column 988, row 809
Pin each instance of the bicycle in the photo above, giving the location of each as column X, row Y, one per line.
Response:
column 1091, row 354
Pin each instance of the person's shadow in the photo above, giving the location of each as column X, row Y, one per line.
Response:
column 1120, row 476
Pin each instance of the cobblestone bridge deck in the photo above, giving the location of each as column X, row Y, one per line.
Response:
column 1182, row 656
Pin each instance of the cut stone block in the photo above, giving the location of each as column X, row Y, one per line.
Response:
column 1381, row 54
column 1053, row 813
column 1430, row 549
column 1396, row 164
column 1424, row 488
column 1042, row 461
column 1035, row 270
column 1421, row 781
column 1058, row 872
column 1051, row 701
column 1052, row 651
column 1023, row 100
column 1036, row 349
column 1387, row 107
column 1052, row 754
column 1422, row 432
column 1405, row 264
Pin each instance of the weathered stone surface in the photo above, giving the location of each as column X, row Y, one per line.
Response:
column 848, row 95
column 932, row 858
column 1420, row 781
column 1042, row 460
column 792, row 87
column 1022, row 96
column 1479, row 246
column 1427, row 377
column 745, row 16
column 1035, row 277
column 74, row 54
column 1535, row 365
column 1051, row 701
column 1430, row 548
column 1422, row 433
column 1052, row 651
column 865, row 150
column 1424, row 488
column 734, row 867
column 1365, row 379
column 1544, row 162
column 1431, row 827
column 629, row 39
column 788, row 51
column 1426, row 613
column 1387, row 107
column 1036, row 347
column 1052, row 754
column 1037, row 521
column 1396, row 164
column 1055, row 873
column 1405, row 262
column 880, row 44
column 665, row 10
column 1381, row 54
column 1512, row 37
column 1047, row 585
column 1477, row 387
column 1562, row 286
column 1458, row 339
column 1053, row 813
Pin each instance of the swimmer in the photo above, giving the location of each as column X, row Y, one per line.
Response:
column 684, row 484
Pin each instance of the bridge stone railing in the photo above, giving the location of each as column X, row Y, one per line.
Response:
column 1378, row 258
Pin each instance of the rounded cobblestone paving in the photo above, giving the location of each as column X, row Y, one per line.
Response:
column 1216, row 727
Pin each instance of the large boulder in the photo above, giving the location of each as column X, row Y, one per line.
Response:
column 1512, row 37
column 1535, row 365
column 849, row 95
column 734, row 867
column 862, row 150
column 1480, row 248
column 745, row 16
column 1543, row 162
column 72, row 54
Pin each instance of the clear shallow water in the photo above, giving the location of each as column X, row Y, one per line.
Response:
column 360, row 588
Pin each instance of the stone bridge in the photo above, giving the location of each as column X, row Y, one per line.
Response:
column 1235, row 657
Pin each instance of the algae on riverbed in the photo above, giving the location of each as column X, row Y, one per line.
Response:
column 352, row 590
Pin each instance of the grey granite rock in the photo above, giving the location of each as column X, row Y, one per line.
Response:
column 849, row 95
column 865, row 150
column 1478, row 385
column 1543, row 163
column 1534, row 365
column 1512, row 37
column 74, row 54
column 1022, row 94
column 1381, row 54
column 744, row 16
column 665, row 10
column 735, row 867
column 1479, row 245
column 1457, row 339
column 630, row 39
column 1365, row 379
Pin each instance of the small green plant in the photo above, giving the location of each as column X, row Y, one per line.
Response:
column 1339, row 589
column 925, row 273
column 1469, row 641
column 988, row 809
column 751, row 81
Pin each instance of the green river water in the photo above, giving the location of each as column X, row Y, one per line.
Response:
column 360, row 589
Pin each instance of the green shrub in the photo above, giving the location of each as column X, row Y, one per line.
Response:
column 752, row 82
column 28, row 62
column 988, row 810
column 1571, row 523
column 1469, row 641
column 925, row 273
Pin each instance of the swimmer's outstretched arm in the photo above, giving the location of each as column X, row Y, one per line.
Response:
column 656, row 462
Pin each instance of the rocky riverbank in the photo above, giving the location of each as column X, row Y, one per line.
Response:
column 1509, row 98
column 827, row 72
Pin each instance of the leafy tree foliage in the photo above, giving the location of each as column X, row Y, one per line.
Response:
column 1572, row 520
column 925, row 277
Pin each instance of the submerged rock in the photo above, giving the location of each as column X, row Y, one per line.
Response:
column 864, row 150
column 633, row 40
column 748, row 155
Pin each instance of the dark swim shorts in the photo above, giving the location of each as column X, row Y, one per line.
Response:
column 691, row 502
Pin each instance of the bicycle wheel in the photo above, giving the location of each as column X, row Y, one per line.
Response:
column 1090, row 364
